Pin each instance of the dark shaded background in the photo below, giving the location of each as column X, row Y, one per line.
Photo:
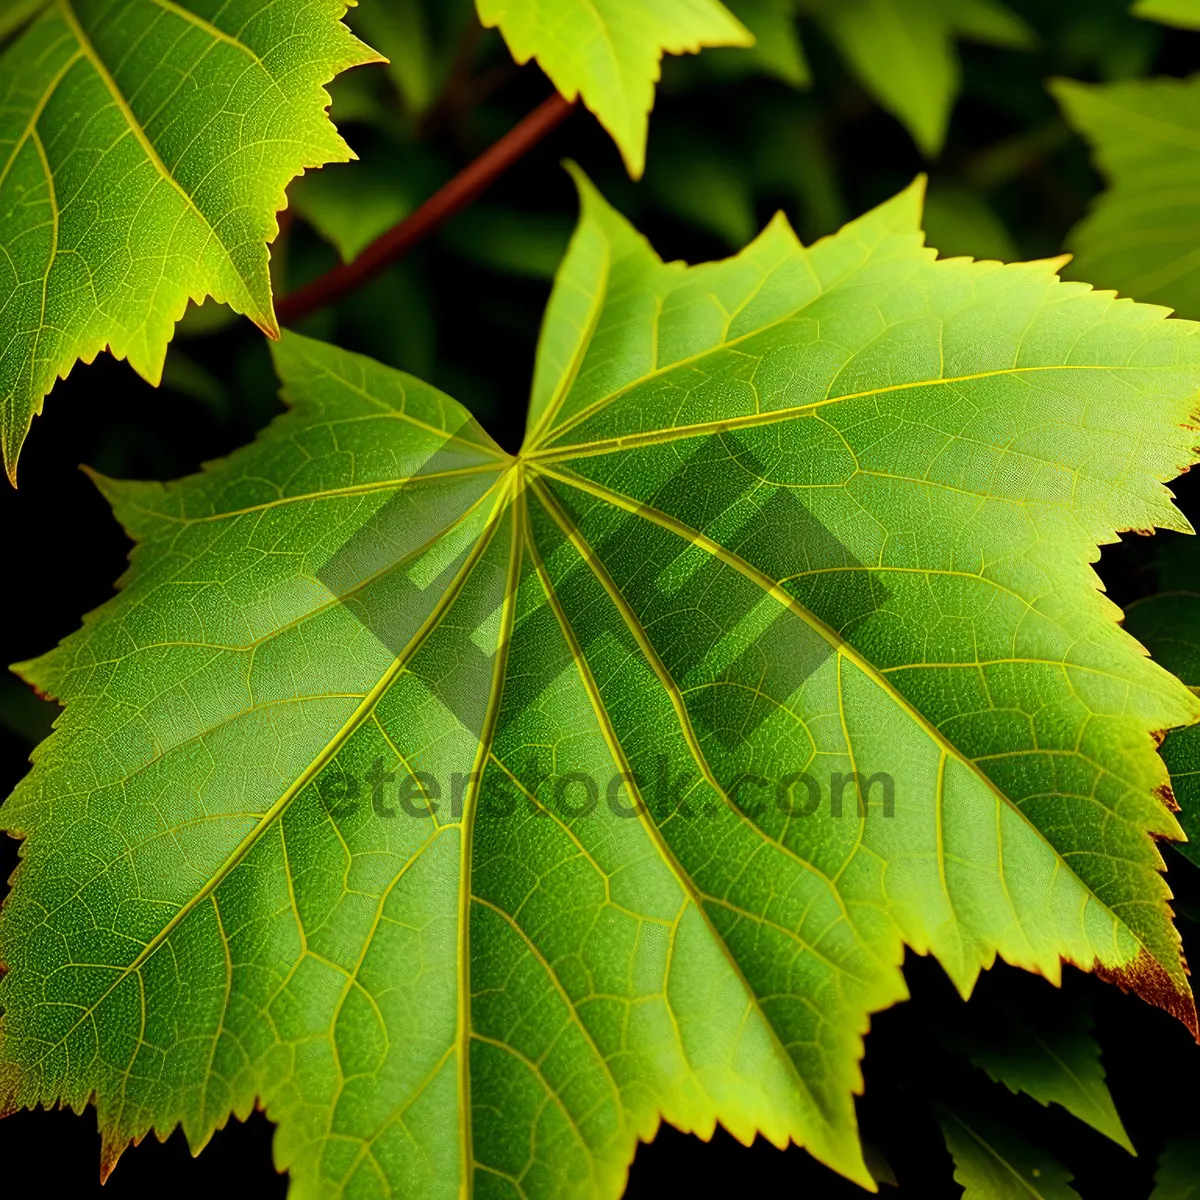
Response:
column 458, row 314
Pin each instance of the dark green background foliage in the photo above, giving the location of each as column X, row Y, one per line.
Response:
column 728, row 147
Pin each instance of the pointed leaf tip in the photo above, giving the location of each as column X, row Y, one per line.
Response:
column 618, row 85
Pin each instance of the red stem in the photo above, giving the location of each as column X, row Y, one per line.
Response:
column 454, row 196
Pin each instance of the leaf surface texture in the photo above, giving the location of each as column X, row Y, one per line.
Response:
column 144, row 150
column 314, row 827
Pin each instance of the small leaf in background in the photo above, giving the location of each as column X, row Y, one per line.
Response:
column 423, row 43
column 516, row 243
column 994, row 1163
column 1049, row 1054
column 365, row 98
column 960, row 222
column 1178, row 1175
column 152, row 115
column 791, row 161
column 704, row 186
column 199, row 320
column 398, row 30
column 777, row 49
column 23, row 713
column 1168, row 625
column 391, row 319
column 182, row 373
column 1099, row 41
column 1142, row 235
column 351, row 208
column 609, row 51
column 351, row 204
column 878, row 1165
column 1185, row 14
column 904, row 52
column 15, row 13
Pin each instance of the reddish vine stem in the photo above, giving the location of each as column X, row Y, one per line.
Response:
column 454, row 196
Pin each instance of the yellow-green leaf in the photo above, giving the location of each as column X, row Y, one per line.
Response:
column 608, row 51
column 144, row 150
column 1183, row 13
column 474, row 812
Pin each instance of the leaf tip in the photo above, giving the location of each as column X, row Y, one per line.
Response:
column 578, row 175
column 1147, row 978
column 634, row 157
column 918, row 189
column 269, row 324
column 105, row 485
column 1057, row 85
column 111, row 1149
column 736, row 34
column 1164, row 794
column 590, row 195
column 117, row 494
column 14, row 440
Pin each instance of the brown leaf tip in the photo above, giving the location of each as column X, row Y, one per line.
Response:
column 112, row 1146
column 1147, row 978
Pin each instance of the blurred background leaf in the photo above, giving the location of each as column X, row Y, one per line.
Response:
column 992, row 1163
column 777, row 49
column 905, row 54
column 1178, row 1176
column 1183, row 13
column 959, row 221
column 1047, row 1052
column 351, row 206
column 1142, row 235
column 15, row 13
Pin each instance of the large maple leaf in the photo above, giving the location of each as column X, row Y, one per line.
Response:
column 144, row 150
column 476, row 811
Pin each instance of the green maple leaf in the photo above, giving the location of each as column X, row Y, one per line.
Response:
column 1142, row 235
column 459, row 806
column 609, row 51
column 144, row 150
column 992, row 1163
